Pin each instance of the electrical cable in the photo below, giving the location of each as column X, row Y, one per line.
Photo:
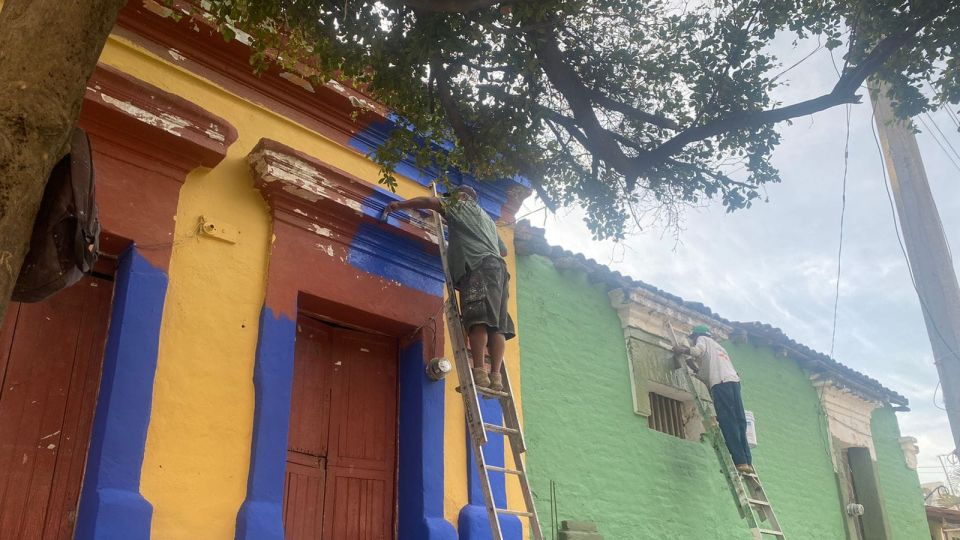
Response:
column 946, row 107
column 945, row 139
column 935, row 390
column 940, row 144
column 843, row 211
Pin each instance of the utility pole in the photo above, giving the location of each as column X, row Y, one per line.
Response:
column 929, row 256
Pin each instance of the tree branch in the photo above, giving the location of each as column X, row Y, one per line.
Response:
column 633, row 112
column 718, row 176
column 578, row 97
column 450, row 6
column 450, row 105
column 843, row 92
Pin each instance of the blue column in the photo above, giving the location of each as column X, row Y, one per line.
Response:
column 261, row 515
column 473, row 523
column 111, row 506
column 420, row 484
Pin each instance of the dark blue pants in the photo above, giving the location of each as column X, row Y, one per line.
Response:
column 732, row 420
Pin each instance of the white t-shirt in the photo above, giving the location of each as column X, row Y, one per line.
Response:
column 715, row 364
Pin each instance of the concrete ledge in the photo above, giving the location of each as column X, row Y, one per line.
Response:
column 579, row 530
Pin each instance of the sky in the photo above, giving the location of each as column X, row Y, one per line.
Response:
column 777, row 261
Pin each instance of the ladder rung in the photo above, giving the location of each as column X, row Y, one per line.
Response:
column 514, row 512
column 503, row 470
column 501, row 429
column 486, row 392
column 771, row 531
column 758, row 502
column 492, row 393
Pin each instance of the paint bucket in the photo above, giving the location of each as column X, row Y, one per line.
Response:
column 751, row 429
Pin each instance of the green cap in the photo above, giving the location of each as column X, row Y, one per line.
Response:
column 700, row 330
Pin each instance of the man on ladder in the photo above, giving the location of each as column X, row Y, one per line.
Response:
column 475, row 256
column 711, row 364
column 473, row 264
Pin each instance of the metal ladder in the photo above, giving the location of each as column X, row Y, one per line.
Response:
column 748, row 492
column 476, row 427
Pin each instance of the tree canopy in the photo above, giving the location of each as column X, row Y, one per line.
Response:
column 607, row 104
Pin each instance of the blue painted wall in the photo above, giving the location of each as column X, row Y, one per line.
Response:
column 420, row 480
column 395, row 258
column 473, row 522
column 111, row 507
column 261, row 515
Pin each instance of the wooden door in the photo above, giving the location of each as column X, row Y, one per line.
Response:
column 343, row 427
column 51, row 357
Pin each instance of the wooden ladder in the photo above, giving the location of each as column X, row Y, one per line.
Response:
column 748, row 492
column 476, row 427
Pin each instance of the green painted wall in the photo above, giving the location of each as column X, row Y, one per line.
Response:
column 634, row 482
column 903, row 499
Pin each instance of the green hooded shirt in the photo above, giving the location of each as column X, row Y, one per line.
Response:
column 473, row 237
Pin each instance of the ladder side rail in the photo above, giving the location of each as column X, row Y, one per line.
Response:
column 758, row 493
column 518, row 463
column 518, row 447
column 511, row 417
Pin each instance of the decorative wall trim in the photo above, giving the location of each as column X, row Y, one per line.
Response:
column 644, row 317
column 848, row 415
column 326, row 108
column 642, row 309
column 910, row 450
column 302, row 190
column 111, row 506
column 133, row 111
column 195, row 44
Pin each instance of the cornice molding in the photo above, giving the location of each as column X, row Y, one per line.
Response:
column 316, row 196
column 647, row 311
column 135, row 114
column 194, row 44
column 848, row 413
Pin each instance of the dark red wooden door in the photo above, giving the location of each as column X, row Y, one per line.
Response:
column 343, row 429
column 50, row 363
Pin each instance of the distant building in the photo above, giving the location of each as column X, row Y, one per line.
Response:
column 614, row 434
column 944, row 523
column 937, row 494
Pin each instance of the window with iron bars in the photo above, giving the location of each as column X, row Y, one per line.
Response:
column 666, row 415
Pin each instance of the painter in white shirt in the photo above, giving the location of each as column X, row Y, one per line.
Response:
column 713, row 363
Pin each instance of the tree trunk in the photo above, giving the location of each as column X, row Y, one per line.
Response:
column 48, row 50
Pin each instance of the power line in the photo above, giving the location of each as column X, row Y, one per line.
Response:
column 945, row 139
column 935, row 390
column 843, row 211
column 945, row 106
column 798, row 62
column 940, row 144
column 953, row 115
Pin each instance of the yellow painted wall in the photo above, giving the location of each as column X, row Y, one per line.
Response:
column 198, row 443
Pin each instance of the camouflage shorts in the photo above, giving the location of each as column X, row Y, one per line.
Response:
column 483, row 297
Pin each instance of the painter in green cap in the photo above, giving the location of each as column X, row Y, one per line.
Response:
column 711, row 364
